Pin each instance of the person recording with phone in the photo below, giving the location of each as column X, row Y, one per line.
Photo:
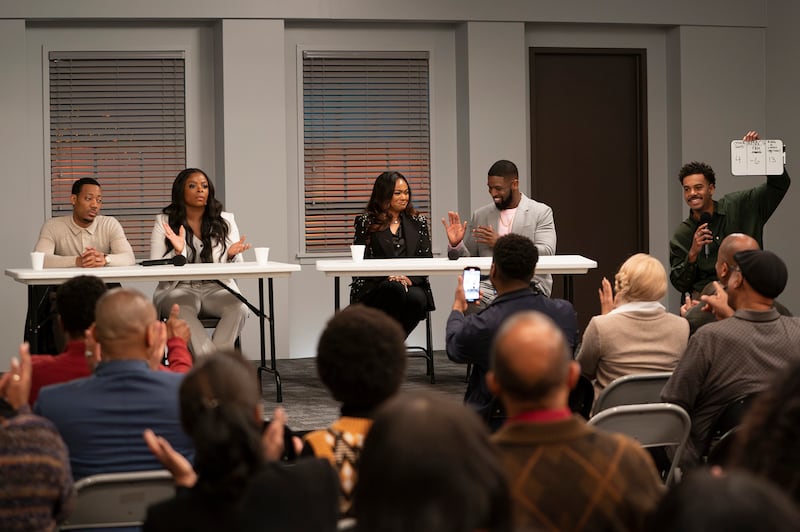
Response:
column 392, row 228
column 695, row 243
column 469, row 337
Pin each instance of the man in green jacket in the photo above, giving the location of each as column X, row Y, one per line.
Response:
column 694, row 245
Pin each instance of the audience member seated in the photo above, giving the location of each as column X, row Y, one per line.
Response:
column 361, row 359
column 564, row 475
column 739, row 356
column 428, row 466
column 766, row 441
column 101, row 417
column 634, row 333
column 392, row 228
column 76, row 300
column 735, row 501
column 698, row 313
column 36, row 491
column 238, row 484
column 195, row 226
column 469, row 337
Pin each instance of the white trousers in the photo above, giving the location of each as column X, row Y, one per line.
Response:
column 207, row 299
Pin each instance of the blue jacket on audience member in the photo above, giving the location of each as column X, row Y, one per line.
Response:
column 101, row 418
column 469, row 338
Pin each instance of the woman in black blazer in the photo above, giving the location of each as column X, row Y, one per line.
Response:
column 392, row 228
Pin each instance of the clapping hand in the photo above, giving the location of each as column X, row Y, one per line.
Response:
column 172, row 460
column 717, row 302
column 15, row 385
column 177, row 326
column 484, row 234
column 606, row 296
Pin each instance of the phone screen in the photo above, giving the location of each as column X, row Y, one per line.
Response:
column 472, row 283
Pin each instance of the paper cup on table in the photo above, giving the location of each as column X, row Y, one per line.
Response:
column 357, row 252
column 37, row 260
column 262, row 255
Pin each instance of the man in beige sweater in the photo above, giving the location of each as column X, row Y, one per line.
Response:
column 84, row 239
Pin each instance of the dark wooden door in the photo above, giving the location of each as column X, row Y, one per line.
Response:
column 589, row 157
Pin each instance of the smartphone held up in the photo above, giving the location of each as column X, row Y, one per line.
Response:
column 472, row 283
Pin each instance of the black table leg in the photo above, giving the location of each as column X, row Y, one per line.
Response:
column 336, row 301
column 272, row 368
column 568, row 290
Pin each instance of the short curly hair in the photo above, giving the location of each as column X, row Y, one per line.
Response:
column 361, row 356
column 75, row 302
column 515, row 257
column 695, row 167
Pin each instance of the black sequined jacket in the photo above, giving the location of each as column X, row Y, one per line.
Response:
column 380, row 245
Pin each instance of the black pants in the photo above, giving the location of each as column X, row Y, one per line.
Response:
column 408, row 307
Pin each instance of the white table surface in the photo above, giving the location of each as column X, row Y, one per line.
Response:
column 553, row 264
column 189, row 272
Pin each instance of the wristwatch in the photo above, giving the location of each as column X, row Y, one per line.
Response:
column 108, row 260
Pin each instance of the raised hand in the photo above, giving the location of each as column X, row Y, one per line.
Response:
column 176, row 326
column 688, row 303
column 238, row 247
column 454, row 228
column 178, row 241
column 15, row 386
column 158, row 346
column 750, row 136
column 606, row 296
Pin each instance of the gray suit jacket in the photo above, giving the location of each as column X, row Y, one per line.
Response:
column 533, row 219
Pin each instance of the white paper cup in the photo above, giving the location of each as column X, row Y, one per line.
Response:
column 262, row 255
column 357, row 252
column 37, row 260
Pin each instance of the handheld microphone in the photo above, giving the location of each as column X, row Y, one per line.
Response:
column 705, row 218
column 452, row 253
column 177, row 260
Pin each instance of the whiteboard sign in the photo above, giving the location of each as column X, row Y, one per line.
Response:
column 757, row 157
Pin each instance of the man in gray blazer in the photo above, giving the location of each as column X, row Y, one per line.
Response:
column 510, row 212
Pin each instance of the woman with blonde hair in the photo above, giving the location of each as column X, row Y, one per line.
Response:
column 634, row 332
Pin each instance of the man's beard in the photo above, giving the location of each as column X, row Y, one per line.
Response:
column 505, row 204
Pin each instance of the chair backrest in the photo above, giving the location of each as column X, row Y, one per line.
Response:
column 638, row 389
column 118, row 499
column 725, row 423
column 652, row 425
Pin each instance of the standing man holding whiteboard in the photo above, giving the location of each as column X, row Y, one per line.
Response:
column 694, row 245
column 511, row 211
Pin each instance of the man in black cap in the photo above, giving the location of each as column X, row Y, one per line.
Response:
column 739, row 356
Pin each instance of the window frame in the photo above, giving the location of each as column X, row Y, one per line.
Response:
column 357, row 51
column 143, row 221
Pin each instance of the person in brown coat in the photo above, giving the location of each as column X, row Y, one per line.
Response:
column 564, row 475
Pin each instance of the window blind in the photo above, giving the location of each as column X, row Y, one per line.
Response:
column 118, row 117
column 363, row 113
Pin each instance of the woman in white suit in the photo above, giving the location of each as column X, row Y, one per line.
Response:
column 195, row 226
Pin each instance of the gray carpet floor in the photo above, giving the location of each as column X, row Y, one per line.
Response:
column 310, row 407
